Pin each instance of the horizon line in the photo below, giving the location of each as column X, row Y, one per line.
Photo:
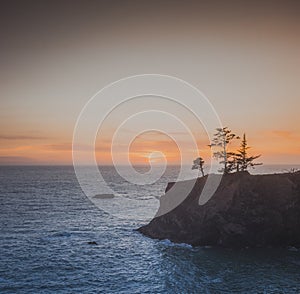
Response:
column 125, row 165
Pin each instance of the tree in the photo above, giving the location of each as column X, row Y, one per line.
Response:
column 241, row 158
column 198, row 164
column 222, row 139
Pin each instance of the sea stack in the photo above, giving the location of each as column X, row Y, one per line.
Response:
column 245, row 211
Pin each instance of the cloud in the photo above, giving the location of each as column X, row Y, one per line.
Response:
column 16, row 160
column 21, row 137
column 66, row 147
column 58, row 147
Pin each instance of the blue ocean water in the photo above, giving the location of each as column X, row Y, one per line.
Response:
column 47, row 222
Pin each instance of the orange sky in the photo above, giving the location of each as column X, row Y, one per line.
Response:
column 275, row 147
column 53, row 58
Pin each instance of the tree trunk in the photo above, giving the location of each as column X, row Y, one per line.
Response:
column 202, row 171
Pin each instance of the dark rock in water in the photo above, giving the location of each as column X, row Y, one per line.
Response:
column 245, row 211
column 92, row 243
column 104, row 196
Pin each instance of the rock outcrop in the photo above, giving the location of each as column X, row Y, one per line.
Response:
column 245, row 211
column 104, row 196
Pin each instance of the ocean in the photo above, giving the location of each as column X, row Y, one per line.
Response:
column 48, row 224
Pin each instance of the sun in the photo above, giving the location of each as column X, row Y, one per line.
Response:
column 156, row 156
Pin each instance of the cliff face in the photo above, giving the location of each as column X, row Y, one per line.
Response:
column 246, row 210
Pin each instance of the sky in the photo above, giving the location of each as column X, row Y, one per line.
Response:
column 55, row 55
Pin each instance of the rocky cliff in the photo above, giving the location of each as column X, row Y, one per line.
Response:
column 246, row 210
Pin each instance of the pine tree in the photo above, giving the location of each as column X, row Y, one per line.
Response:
column 198, row 164
column 241, row 158
column 222, row 139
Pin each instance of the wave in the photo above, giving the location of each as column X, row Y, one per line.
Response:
column 169, row 243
